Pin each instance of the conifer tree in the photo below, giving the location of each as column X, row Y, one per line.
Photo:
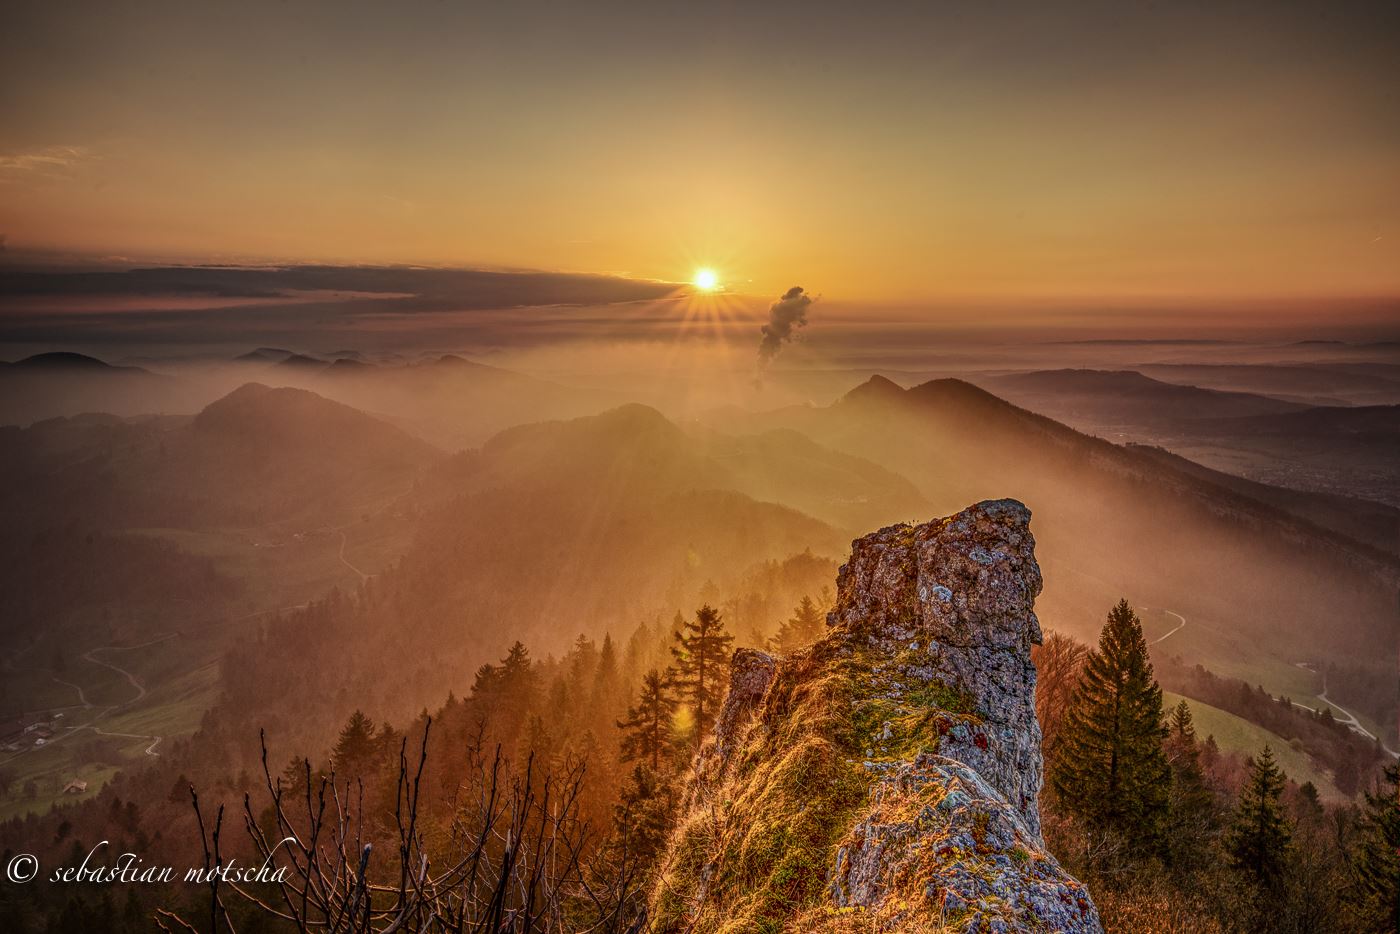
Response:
column 1258, row 837
column 355, row 750
column 649, row 729
column 605, row 676
column 1190, row 805
column 296, row 775
column 504, row 694
column 517, row 674
column 1377, row 863
column 583, row 666
column 702, row 661
column 802, row 628
column 1111, row 770
column 1181, row 726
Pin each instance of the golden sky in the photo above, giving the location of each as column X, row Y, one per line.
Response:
column 873, row 152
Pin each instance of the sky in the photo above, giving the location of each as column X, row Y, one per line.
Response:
column 900, row 155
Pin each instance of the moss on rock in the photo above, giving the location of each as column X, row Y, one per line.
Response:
column 884, row 778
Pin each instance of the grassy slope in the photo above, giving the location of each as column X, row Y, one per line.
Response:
column 1234, row 734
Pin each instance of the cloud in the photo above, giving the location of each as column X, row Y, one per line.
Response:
column 308, row 304
column 784, row 317
column 47, row 161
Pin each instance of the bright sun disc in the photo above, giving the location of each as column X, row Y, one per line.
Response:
column 706, row 280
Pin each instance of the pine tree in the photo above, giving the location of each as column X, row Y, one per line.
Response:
column 1258, row 837
column 1377, row 863
column 702, row 661
column 1190, row 805
column 649, row 727
column 605, row 676
column 504, row 694
column 517, row 673
column 1111, row 770
column 355, row 751
column 583, row 666
column 802, row 628
column 1181, row 726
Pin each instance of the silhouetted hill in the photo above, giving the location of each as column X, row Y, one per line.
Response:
column 265, row 355
column 257, row 455
column 50, row 385
column 65, row 360
column 300, row 424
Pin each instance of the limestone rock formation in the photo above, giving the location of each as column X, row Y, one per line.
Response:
column 886, row 778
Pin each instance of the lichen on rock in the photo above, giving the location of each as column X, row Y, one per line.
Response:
column 885, row 778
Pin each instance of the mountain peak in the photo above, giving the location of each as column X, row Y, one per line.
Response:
column 62, row 359
column 255, row 404
column 912, row 724
column 952, row 387
column 265, row 355
column 876, row 389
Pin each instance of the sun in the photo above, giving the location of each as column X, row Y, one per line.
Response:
column 706, row 280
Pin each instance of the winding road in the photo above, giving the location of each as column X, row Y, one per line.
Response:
column 85, row 704
column 136, row 683
column 91, row 656
column 1343, row 716
column 1340, row 713
column 1181, row 625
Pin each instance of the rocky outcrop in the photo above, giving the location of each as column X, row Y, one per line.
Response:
column 886, row 778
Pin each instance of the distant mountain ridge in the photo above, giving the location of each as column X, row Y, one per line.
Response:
column 1347, row 449
column 1115, row 521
